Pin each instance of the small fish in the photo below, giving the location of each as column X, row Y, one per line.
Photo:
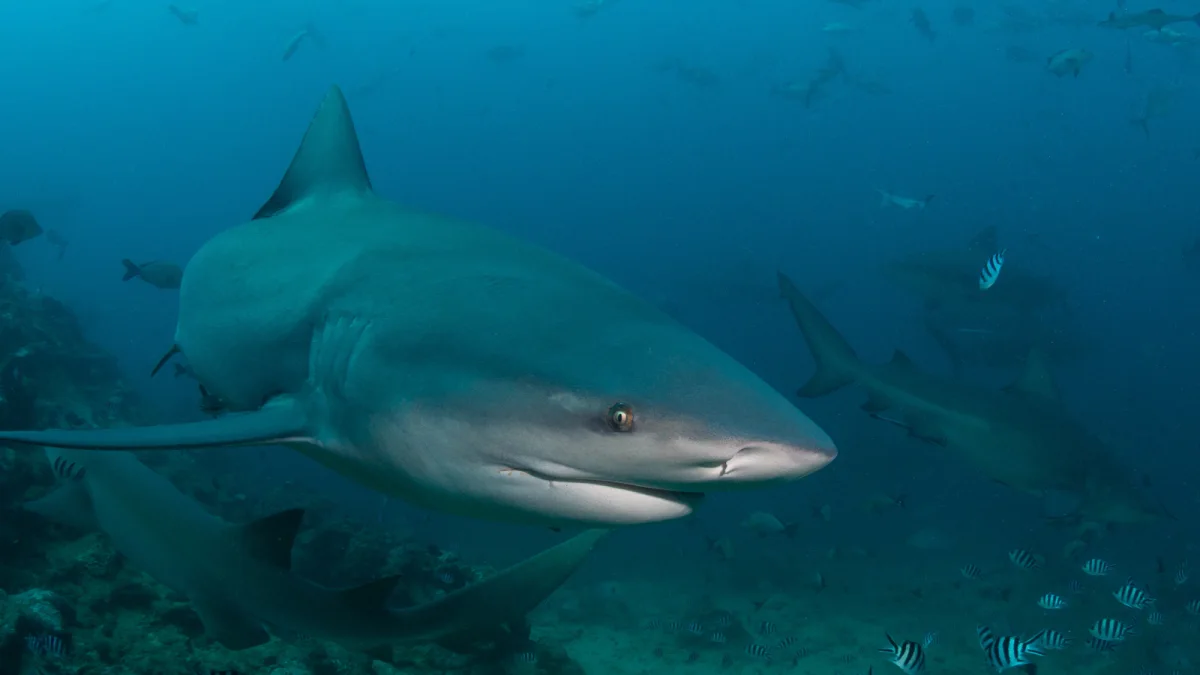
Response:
column 1193, row 608
column 695, row 628
column 1181, row 575
column 766, row 628
column 1051, row 601
column 18, row 225
column 908, row 656
column 1133, row 597
column 724, row 620
column 717, row 638
column 186, row 15
column 162, row 275
column 1155, row 618
column 906, row 203
column 786, row 642
column 1075, row 586
column 1024, row 559
column 1098, row 645
column 1110, row 630
column 1003, row 653
column 1052, row 639
column 1069, row 61
column 46, row 645
column 931, row 639
column 764, row 524
column 971, row 572
column 1097, row 568
column 991, row 270
column 58, row 241
column 758, row 651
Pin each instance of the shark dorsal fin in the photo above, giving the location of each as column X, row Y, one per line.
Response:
column 901, row 359
column 1036, row 381
column 985, row 240
column 270, row 539
column 371, row 596
column 329, row 160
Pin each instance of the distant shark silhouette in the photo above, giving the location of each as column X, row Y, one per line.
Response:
column 457, row 367
column 238, row 577
column 1021, row 437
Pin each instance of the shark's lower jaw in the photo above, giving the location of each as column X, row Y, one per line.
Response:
column 596, row 502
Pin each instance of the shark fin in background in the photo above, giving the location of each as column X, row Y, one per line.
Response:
column 1036, row 382
column 837, row 364
column 901, row 360
column 229, row 625
column 280, row 422
column 506, row 596
column 371, row 596
column 270, row 539
column 875, row 404
column 328, row 162
column 69, row 504
column 925, row 429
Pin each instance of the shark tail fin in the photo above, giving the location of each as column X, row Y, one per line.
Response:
column 837, row 364
column 503, row 597
column 131, row 269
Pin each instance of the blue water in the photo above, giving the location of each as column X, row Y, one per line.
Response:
column 139, row 137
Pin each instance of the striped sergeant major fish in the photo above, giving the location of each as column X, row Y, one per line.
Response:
column 1097, row 568
column 1052, row 601
column 1133, row 597
column 991, row 270
column 1110, row 630
column 1003, row 653
column 1025, row 560
column 908, row 656
column 1052, row 639
column 971, row 571
column 1097, row 645
column 1193, row 608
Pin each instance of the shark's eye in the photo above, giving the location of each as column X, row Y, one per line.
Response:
column 620, row 417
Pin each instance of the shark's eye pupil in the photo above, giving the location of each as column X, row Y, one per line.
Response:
column 620, row 417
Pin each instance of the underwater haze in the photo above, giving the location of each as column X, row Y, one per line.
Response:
column 961, row 236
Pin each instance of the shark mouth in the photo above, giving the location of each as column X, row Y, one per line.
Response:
column 687, row 499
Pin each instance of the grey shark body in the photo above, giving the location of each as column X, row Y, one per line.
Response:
column 1021, row 436
column 457, row 367
column 238, row 577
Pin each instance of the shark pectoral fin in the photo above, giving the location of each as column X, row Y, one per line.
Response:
column 925, row 429
column 875, row 404
column 1036, row 382
column 70, row 504
column 270, row 539
column 229, row 625
column 918, row 427
column 501, row 598
column 371, row 596
column 165, row 358
column 279, row 422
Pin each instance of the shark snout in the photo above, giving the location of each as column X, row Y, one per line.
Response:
column 770, row 461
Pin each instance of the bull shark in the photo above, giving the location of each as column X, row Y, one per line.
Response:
column 950, row 278
column 238, row 577
column 1151, row 18
column 456, row 367
column 1021, row 436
